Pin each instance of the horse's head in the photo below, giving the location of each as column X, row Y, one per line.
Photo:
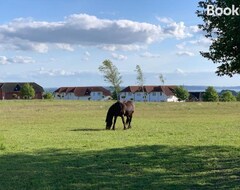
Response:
column 108, row 124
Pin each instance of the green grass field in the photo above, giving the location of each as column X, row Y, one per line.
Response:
column 63, row 145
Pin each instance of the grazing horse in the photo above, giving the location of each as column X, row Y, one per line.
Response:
column 120, row 109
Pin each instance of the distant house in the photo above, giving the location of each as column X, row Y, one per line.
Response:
column 196, row 96
column 11, row 90
column 82, row 93
column 149, row 94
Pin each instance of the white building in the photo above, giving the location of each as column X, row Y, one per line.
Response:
column 82, row 93
column 149, row 94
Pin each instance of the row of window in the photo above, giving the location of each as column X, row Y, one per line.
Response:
column 93, row 93
column 140, row 94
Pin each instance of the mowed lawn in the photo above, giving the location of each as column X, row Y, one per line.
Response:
column 64, row 145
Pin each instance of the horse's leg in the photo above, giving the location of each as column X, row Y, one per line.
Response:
column 127, row 120
column 123, row 122
column 115, row 119
column 130, row 119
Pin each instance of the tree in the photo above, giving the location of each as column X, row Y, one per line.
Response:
column 227, row 96
column 223, row 32
column 162, row 79
column 48, row 96
column 27, row 91
column 111, row 75
column 238, row 97
column 181, row 93
column 210, row 95
column 140, row 79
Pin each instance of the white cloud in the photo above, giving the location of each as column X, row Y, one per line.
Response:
column 202, row 41
column 86, row 53
column 83, row 29
column 130, row 47
column 195, row 45
column 195, row 29
column 150, row 55
column 119, row 57
column 181, row 46
column 86, row 56
column 66, row 47
column 178, row 30
column 3, row 60
column 21, row 60
column 55, row 72
column 185, row 53
column 7, row 43
column 17, row 60
column 165, row 20
column 179, row 71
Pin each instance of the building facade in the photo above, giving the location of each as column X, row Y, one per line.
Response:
column 82, row 93
column 149, row 94
column 11, row 90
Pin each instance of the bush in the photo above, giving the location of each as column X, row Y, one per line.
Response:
column 228, row 97
column 238, row 97
column 27, row 91
column 181, row 93
column 48, row 96
column 210, row 95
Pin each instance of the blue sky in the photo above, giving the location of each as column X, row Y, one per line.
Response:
column 62, row 43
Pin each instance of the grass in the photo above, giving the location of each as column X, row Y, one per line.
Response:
column 63, row 145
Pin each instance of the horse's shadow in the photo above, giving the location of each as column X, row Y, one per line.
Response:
column 87, row 129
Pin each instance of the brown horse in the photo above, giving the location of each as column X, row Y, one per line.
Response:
column 120, row 109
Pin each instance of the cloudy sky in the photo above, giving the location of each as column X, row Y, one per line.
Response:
column 62, row 43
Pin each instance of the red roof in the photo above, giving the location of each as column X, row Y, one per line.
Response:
column 83, row 91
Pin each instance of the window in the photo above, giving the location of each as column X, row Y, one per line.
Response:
column 129, row 94
column 154, row 94
column 17, row 88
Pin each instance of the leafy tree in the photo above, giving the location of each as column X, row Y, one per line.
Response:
column 27, row 91
column 227, row 96
column 238, row 97
column 114, row 95
column 223, row 32
column 140, row 79
column 210, row 95
column 181, row 93
column 162, row 79
column 48, row 96
column 111, row 75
